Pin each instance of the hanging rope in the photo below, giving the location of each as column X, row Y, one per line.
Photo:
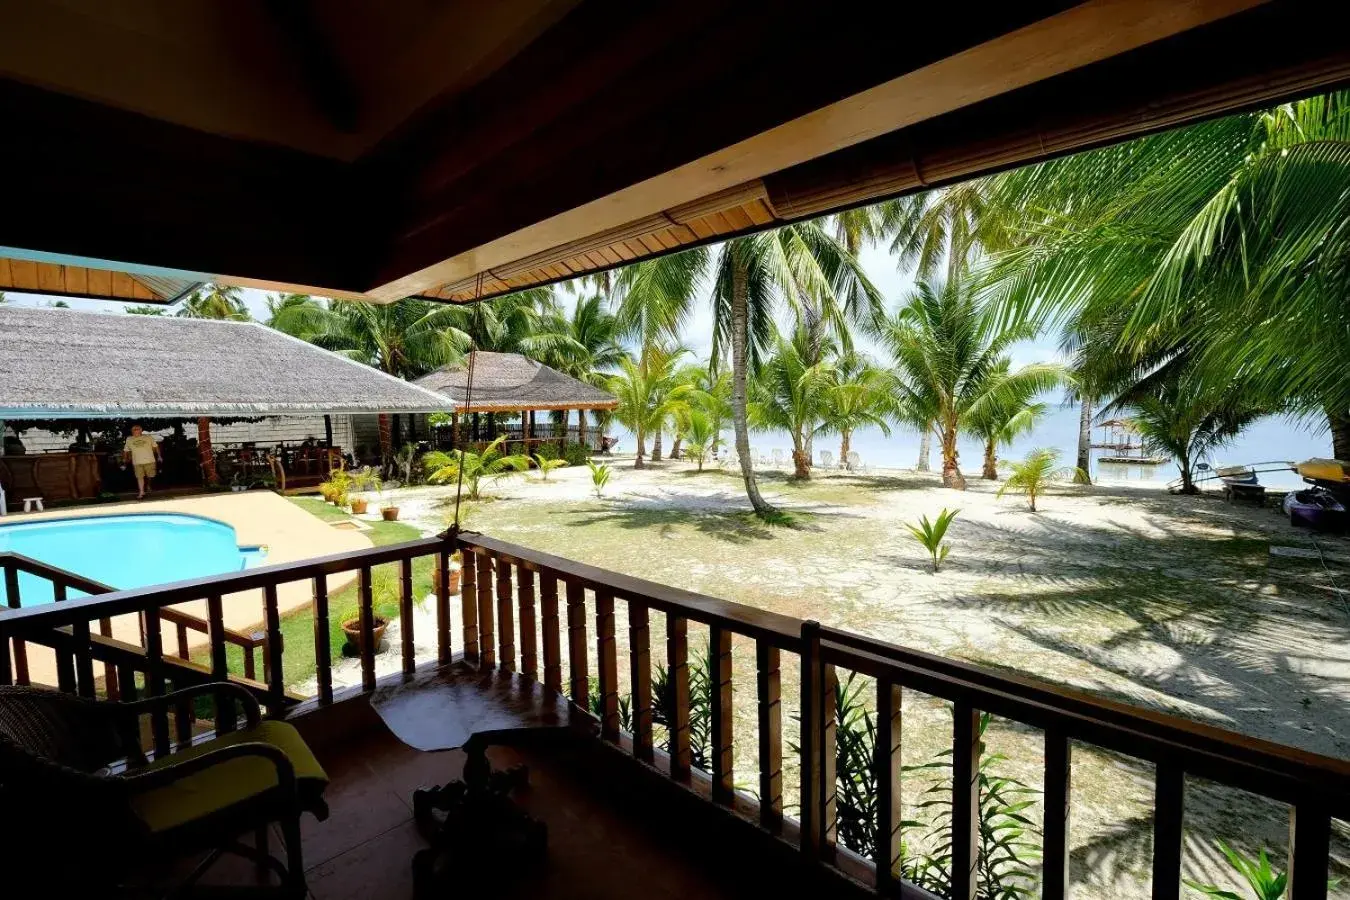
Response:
column 468, row 404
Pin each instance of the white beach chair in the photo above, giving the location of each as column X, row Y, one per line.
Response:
column 826, row 459
column 855, row 463
column 777, row 457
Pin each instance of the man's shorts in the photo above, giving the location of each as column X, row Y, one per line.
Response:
column 145, row 470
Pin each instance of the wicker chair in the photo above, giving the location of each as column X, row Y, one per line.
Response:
column 91, row 813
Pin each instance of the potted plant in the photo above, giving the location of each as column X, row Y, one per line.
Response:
column 362, row 480
column 352, row 630
column 388, row 507
column 455, row 566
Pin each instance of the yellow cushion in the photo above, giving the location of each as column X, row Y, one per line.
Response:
column 225, row 784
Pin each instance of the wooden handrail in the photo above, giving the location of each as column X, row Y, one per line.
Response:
column 135, row 600
column 780, row 630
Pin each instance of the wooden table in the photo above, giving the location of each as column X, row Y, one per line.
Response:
column 460, row 707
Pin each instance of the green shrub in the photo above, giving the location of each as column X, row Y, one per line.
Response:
column 576, row 454
column 548, row 451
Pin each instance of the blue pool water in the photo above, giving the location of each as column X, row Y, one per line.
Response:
column 125, row 551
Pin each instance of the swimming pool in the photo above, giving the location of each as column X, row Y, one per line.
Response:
column 125, row 551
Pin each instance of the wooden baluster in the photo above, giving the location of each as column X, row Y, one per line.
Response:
column 887, row 773
column 182, row 720
column 607, row 661
column 548, row 601
column 506, row 617
column 6, row 661
column 110, row 680
column 20, row 672
column 529, row 645
column 273, row 649
column 250, row 664
column 443, row 649
column 965, row 801
column 719, row 640
column 65, row 656
column 810, row 741
column 677, row 671
column 769, row 690
column 1309, row 849
column 405, row 616
column 226, row 717
column 366, row 614
column 182, row 641
column 323, row 650
column 154, row 678
column 1058, row 783
column 576, row 645
column 487, row 652
column 1169, row 809
column 640, row 676
column 126, row 683
column 84, row 661
column 468, row 602
column 829, row 758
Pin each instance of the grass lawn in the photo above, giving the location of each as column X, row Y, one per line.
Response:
column 297, row 628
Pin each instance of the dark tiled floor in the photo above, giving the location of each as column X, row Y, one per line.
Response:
column 365, row 848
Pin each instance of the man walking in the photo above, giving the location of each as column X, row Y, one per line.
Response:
column 142, row 451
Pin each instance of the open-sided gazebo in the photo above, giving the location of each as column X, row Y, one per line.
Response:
column 513, row 384
column 59, row 365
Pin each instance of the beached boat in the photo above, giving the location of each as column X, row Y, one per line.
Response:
column 1314, row 508
column 1231, row 475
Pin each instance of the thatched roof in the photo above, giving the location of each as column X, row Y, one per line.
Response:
column 509, row 382
column 60, row 363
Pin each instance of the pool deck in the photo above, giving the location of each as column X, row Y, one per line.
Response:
column 258, row 518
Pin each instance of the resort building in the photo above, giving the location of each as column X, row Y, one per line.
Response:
column 678, row 744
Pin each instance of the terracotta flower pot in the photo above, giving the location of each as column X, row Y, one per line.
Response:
column 359, row 506
column 352, row 629
column 436, row 580
column 390, row 513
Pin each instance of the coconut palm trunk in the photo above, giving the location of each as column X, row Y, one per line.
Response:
column 1340, row 434
column 990, row 472
column 675, row 446
column 740, row 324
column 925, row 449
column 845, row 442
column 581, row 427
column 656, row 445
column 386, row 440
column 951, row 469
column 639, row 463
column 1084, row 441
column 800, row 461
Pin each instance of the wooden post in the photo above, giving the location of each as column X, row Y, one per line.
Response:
column 548, row 600
column 579, row 671
column 442, row 564
column 1309, row 849
column 723, row 783
column 812, row 725
column 220, row 670
column 887, row 768
column 206, row 457
column 506, row 617
column 468, row 602
column 1169, row 806
column 328, row 430
column 366, row 618
column 640, row 667
column 1058, row 781
column 529, row 648
column 20, row 672
column 607, row 660
column 276, row 675
column 323, row 655
column 487, row 652
column 966, row 802
column 405, row 615
column 768, row 687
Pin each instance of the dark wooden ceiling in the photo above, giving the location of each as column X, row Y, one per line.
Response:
column 540, row 138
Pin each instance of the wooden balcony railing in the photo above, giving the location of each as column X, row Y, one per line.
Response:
column 544, row 616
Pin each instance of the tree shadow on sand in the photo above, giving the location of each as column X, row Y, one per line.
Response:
column 658, row 517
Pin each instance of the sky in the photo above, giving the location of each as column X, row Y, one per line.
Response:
column 876, row 261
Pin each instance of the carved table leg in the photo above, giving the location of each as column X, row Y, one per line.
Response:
column 481, row 825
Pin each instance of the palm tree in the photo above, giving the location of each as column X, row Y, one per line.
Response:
column 947, row 357
column 701, row 434
column 1224, row 241
column 655, row 302
column 791, row 394
column 647, row 390
column 215, row 301
column 490, row 462
column 861, row 394
column 999, row 424
column 1032, row 475
column 276, row 303
column 802, row 265
column 593, row 351
column 1178, row 412
column 404, row 339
